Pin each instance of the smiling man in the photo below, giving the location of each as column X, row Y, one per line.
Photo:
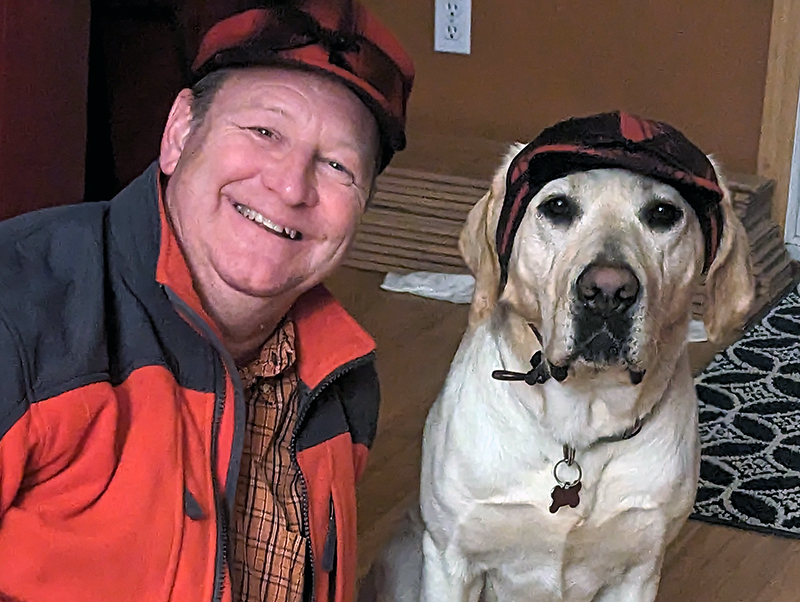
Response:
column 184, row 409
column 266, row 191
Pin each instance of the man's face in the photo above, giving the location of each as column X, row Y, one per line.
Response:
column 265, row 194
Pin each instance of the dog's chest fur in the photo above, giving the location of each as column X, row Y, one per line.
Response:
column 488, row 493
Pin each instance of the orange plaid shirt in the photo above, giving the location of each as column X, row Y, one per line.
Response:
column 269, row 554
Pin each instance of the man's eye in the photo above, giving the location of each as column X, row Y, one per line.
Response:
column 264, row 132
column 340, row 171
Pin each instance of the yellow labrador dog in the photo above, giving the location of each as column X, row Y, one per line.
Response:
column 563, row 476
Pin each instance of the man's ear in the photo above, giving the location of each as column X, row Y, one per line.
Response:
column 176, row 132
column 729, row 282
column 477, row 243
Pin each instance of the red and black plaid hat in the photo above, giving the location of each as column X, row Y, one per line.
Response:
column 339, row 37
column 650, row 148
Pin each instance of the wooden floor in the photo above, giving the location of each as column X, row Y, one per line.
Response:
column 416, row 340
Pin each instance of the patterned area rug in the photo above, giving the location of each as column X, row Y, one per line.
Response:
column 750, row 427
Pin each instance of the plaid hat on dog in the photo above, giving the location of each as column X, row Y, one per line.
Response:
column 338, row 37
column 650, row 148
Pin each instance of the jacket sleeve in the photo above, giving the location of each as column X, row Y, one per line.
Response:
column 14, row 419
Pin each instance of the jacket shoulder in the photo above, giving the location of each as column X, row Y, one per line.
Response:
column 52, row 265
column 43, row 248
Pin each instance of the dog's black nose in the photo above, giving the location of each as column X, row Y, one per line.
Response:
column 607, row 289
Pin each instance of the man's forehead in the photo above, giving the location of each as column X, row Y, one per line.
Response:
column 291, row 93
column 301, row 97
column 260, row 83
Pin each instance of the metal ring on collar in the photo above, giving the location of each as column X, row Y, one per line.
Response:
column 567, row 484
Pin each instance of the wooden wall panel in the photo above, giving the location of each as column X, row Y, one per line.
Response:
column 698, row 65
column 780, row 103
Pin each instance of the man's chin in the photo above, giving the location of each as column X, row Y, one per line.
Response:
column 263, row 283
column 276, row 277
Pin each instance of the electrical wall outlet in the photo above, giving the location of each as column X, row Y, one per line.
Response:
column 452, row 26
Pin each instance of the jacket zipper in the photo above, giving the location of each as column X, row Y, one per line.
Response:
column 221, row 506
column 222, row 516
column 335, row 374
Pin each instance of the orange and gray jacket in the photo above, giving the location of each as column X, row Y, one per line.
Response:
column 122, row 417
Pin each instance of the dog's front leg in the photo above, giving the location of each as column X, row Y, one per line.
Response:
column 446, row 575
column 640, row 584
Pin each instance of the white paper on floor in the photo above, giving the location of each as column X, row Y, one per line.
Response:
column 457, row 288
column 697, row 332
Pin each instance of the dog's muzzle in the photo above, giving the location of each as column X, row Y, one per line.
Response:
column 605, row 295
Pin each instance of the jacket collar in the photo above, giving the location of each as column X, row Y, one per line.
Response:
column 171, row 269
column 327, row 336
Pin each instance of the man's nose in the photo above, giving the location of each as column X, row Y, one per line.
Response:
column 293, row 178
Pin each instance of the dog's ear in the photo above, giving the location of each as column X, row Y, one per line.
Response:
column 477, row 243
column 477, row 247
column 729, row 282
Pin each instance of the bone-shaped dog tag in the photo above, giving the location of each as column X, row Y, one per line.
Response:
column 565, row 496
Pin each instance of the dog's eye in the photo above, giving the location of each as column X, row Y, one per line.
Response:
column 661, row 216
column 560, row 210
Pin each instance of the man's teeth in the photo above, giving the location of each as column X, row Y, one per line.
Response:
column 260, row 219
